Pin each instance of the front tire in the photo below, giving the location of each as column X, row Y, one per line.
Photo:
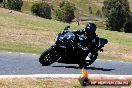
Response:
column 48, row 57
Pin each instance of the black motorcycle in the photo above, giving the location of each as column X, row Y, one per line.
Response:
column 69, row 49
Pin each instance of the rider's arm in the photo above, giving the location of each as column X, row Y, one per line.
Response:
column 95, row 42
column 79, row 32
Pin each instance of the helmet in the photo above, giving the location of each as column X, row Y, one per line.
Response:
column 90, row 27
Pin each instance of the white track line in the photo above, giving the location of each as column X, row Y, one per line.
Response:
column 91, row 76
column 22, row 53
column 9, row 52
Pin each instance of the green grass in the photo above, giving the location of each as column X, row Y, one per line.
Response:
column 32, row 22
column 27, row 48
column 116, row 37
column 26, row 8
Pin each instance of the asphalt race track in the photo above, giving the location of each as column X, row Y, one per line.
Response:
column 28, row 64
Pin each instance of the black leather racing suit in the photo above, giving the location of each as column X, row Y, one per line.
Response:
column 92, row 40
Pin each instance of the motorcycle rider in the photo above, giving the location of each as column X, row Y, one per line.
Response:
column 91, row 44
column 92, row 39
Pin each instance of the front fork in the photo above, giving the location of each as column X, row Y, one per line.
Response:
column 60, row 50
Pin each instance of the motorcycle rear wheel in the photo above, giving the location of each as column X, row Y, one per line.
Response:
column 48, row 57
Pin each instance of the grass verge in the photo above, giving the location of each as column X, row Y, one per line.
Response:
column 47, row 83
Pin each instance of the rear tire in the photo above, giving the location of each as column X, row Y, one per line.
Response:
column 48, row 57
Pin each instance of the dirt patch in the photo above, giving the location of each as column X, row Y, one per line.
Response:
column 27, row 36
column 34, row 83
column 121, row 52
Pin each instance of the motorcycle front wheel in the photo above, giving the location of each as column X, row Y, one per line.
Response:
column 48, row 57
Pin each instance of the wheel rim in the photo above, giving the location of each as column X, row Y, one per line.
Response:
column 48, row 59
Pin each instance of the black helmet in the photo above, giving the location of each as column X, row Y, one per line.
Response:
column 90, row 27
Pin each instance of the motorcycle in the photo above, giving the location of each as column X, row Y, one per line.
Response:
column 68, row 49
